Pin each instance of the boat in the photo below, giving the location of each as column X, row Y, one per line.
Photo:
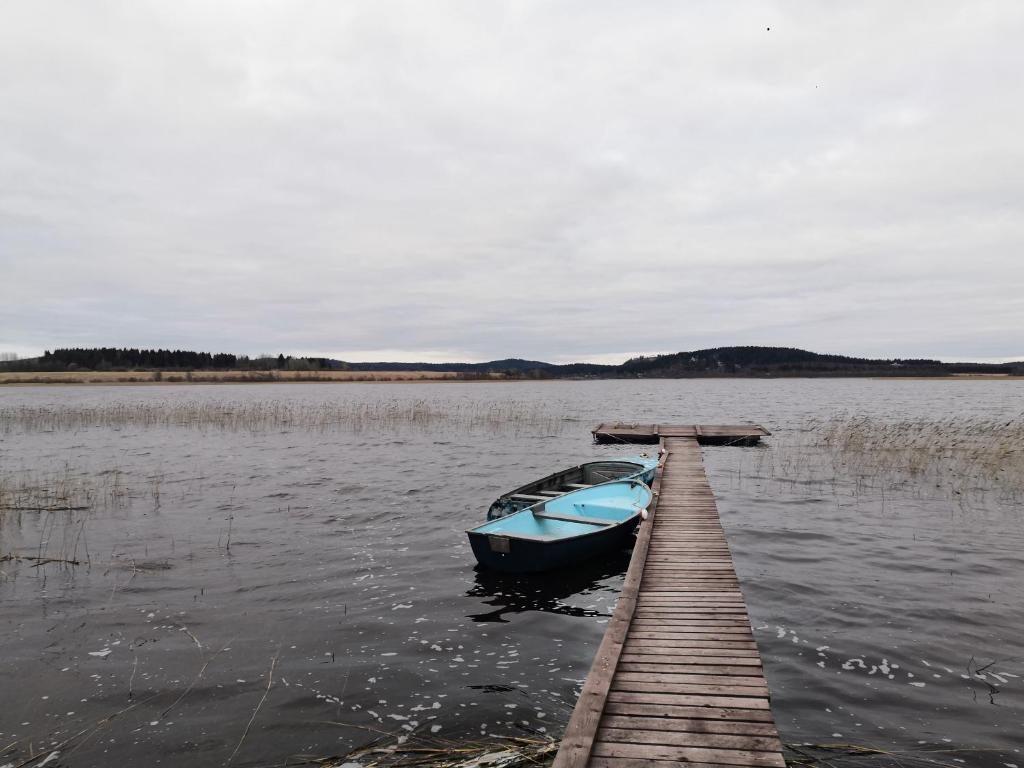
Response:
column 562, row 531
column 573, row 479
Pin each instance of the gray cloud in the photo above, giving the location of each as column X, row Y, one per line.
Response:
column 469, row 180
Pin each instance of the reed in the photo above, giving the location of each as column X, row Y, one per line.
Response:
column 966, row 454
column 63, row 490
column 407, row 750
column 277, row 414
column 958, row 456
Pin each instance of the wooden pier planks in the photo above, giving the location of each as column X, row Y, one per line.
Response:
column 719, row 434
column 678, row 676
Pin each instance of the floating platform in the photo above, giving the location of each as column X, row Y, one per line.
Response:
column 714, row 434
column 678, row 677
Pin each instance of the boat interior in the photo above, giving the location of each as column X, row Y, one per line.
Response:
column 569, row 480
column 584, row 512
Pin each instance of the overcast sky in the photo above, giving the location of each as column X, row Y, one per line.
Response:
column 476, row 180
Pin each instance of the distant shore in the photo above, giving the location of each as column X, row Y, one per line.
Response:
column 278, row 376
column 225, row 377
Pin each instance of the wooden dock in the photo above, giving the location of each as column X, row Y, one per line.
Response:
column 718, row 434
column 677, row 678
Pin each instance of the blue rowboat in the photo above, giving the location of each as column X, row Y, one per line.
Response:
column 573, row 479
column 561, row 531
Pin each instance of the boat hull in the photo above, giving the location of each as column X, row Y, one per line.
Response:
column 561, row 531
column 528, row 556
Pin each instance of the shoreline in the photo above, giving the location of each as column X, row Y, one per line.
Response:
column 165, row 378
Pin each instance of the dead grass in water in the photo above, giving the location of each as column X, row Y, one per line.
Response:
column 967, row 453
column 392, row 751
column 262, row 415
column 956, row 456
column 63, row 490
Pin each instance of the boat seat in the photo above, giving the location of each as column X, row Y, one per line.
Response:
column 550, row 493
column 577, row 486
column 574, row 519
column 528, row 497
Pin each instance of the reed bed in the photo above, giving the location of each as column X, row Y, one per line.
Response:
column 264, row 415
column 965, row 453
column 953, row 456
column 63, row 490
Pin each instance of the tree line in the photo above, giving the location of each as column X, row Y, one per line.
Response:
column 115, row 359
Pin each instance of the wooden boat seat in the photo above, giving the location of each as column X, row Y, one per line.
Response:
column 528, row 497
column 551, row 493
column 577, row 486
column 574, row 519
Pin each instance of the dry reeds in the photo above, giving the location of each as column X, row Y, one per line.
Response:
column 62, row 490
column 968, row 453
column 262, row 415
column 405, row 751
column 958, row 456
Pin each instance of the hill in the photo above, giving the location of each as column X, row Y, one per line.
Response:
column 788, row 361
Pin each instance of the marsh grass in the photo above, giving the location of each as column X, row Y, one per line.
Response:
column 264, row 415
column 63, row 490
column 962, row 454
column 966, row 458
column 58, row 505
column 391, row 751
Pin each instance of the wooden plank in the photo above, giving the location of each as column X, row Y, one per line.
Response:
column 727, row 623
column 748, row 678
column 718, row 713
column 705, row 609
column 656, row 650
column 692, row 754
column 680, row 643
column 654, row 601
column 690, row 689
column 679, row 660
column 528, row 497
column 709, row 636
column 678, row 725
column 698, row 667
column 688, row 700
column 689, row 739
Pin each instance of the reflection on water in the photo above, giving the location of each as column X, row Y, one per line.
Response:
column 887, row 608
column 549, row 591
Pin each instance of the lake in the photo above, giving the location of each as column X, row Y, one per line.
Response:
column 250, row 573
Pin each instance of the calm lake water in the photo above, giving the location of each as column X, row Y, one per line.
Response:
column 293, row 555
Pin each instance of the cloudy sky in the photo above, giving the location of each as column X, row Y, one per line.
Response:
column 475, row 180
